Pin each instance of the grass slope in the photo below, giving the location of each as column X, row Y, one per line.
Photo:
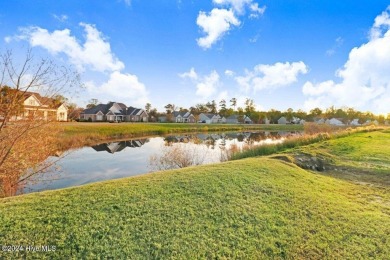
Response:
column 250, row 208
column 360, row 157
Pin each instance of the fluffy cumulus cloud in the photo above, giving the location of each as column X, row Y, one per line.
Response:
column 126, row 86
column 223, row 18
column 206, row 86
column 271, row 76
column 364, row 79
column 215, row 25
column 190, row 74
column 95, row 53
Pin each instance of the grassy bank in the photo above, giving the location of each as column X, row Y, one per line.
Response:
column 250, row 208
column 87, row 133
column 299, row 141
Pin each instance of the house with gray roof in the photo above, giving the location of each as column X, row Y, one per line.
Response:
column 114, row 112
column 211, row 118
column 183, row 117
column 233, row 119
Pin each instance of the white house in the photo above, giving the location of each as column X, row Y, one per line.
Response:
column 45, row 107
column 233, row 119
column 282, row 121
column 334, row 121
column 247, row 120
column 210, row 118
column 183, row 117
column 355, row 122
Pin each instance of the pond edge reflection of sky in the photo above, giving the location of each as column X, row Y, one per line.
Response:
column 121, row 159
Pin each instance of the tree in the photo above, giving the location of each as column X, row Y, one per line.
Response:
column 170, row 108
column 249, row 107
column 233, row 102
column 289, row 114
column 316, row 112
column 148, row 106
column 93, row 103
column 31, row 137
column 153, row 114
column 73, row 111
column 212, row 107
column 222, row 105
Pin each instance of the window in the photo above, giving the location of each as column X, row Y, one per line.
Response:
column 32, row 102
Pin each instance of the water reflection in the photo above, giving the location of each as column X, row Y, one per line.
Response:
column 119, row 146
column 120, row 159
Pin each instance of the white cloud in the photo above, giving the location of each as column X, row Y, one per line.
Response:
column 237, row 5
column 221, row 20
column 381, row 24
column 338, row 42
column 364, row 79
column 95, row 53
column 271, row 76
column 229, row 73
column 121, row 87
column 191, row 74
column 256, row 10
column 215, row 25
column 61, row 18
column 207, row 86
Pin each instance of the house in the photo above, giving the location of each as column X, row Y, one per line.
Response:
column 355, row 122
column 46, row 108
column 247, row 120
column 210, row 118
column 183, row 117
column 114, row 112
column 334, row 121
column 233, row 119
column 282, row 121
column 136, row 115
column 320, row 121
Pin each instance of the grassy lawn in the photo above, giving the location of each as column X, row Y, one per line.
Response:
column 362, row 157
column 252, row 208
column 87, row 133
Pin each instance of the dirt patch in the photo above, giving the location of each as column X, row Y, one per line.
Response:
column 315, row 163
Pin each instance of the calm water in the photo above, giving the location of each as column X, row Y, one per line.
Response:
column 134, row 157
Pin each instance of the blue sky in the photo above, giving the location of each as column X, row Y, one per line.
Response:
column 299, row 54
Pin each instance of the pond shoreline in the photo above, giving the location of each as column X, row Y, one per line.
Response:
column 76, row 135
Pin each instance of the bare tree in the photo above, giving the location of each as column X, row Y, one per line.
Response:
column 28, row 133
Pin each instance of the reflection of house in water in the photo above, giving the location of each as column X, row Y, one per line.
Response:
column 115, row 147
column 212, row 138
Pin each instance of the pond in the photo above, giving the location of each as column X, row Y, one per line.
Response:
column 120, row 159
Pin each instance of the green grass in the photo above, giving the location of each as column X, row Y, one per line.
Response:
column 361, row 157
column 87, row 133
column 255, row 208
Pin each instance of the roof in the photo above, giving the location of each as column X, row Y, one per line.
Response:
column 232, row 117
column 182, row 114
column 101, row 107
column 209, row 115
column 44, row 101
